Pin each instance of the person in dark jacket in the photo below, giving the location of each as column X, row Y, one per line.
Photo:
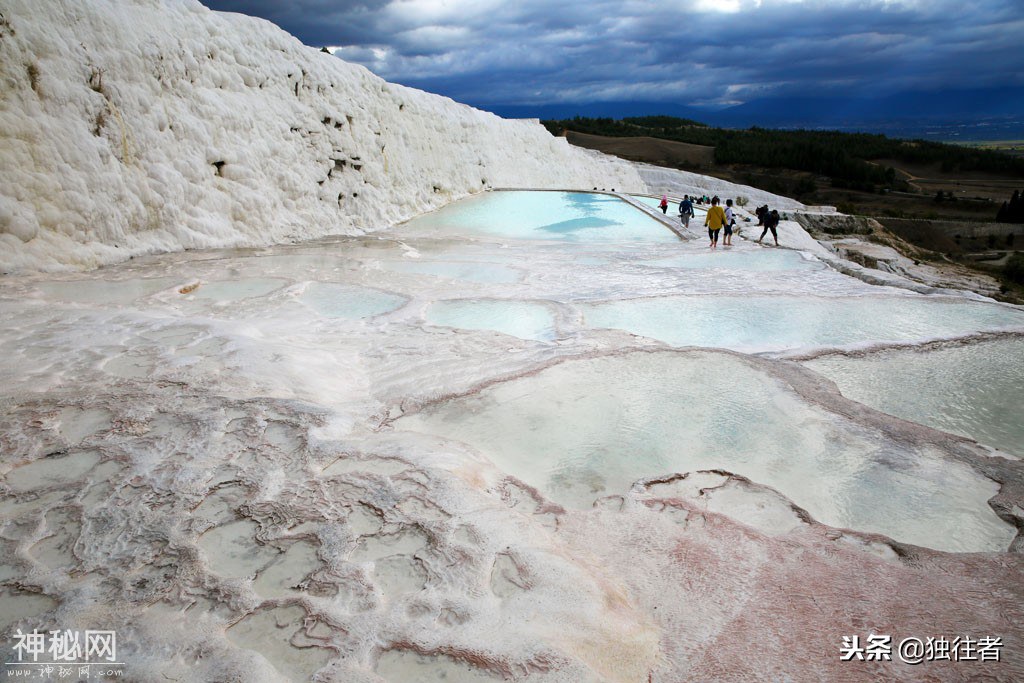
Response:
column 771, row 222
column 686, row 211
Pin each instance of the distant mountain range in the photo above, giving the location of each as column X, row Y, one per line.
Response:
column 967, row 114
column 611, row 110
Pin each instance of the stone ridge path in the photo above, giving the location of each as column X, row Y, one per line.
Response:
column 669, row 220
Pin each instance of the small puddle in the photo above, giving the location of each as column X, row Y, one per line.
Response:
column 523, row 319
column 103, row 291
column 293, row 566
column 235, row 290
column 51, row 471
column 16, row 606
column 232, row 551
column 336, row 300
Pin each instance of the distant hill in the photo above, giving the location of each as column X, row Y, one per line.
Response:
column 964, row 114
column 968, row 108
column 615, row 110
column 648, row 149
column 849, row 160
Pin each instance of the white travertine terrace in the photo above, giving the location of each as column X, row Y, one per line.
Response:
column 286, row 462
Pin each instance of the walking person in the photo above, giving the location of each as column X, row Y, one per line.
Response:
column 730, row 221
column 761, row 213
column 664, row 204
column 686, row 211
column 714, row 221
column 771, row 222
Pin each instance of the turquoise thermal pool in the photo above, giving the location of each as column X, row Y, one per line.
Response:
column 565, row 216
column 780, row 323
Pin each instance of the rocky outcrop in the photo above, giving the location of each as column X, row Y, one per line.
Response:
column 869, row 252
column 819, row 224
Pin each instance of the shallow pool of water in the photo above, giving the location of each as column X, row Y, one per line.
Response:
column 523, row 319
column 757, row 323
column 337, row 300
column 234, row 290
column 564, row 216
column 763, row 260
column 585, row 429
column 103, row 291
column 975, row 390
column 492, row 273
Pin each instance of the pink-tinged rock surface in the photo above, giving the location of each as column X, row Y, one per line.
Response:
column 733, row 603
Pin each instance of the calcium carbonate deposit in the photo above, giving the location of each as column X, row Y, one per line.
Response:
column 525, row 436
column 134, row 127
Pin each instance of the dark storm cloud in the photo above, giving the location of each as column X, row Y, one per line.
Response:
column 315, row 22
column 687, row 51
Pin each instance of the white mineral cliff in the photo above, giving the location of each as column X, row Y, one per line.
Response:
column 130, row 127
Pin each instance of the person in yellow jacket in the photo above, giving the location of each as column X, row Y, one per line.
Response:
column 714, row 221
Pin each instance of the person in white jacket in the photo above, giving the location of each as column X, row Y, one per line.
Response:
column 730, row 220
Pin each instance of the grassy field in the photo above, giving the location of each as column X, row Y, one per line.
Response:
column 974, row 197
column 967, row 196
column 1013, row 147
column 650, row 150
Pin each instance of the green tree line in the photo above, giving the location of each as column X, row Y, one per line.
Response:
column 1012, row 211
column 844, row 157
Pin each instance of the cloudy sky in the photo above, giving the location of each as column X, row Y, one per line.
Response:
column 694, row 52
